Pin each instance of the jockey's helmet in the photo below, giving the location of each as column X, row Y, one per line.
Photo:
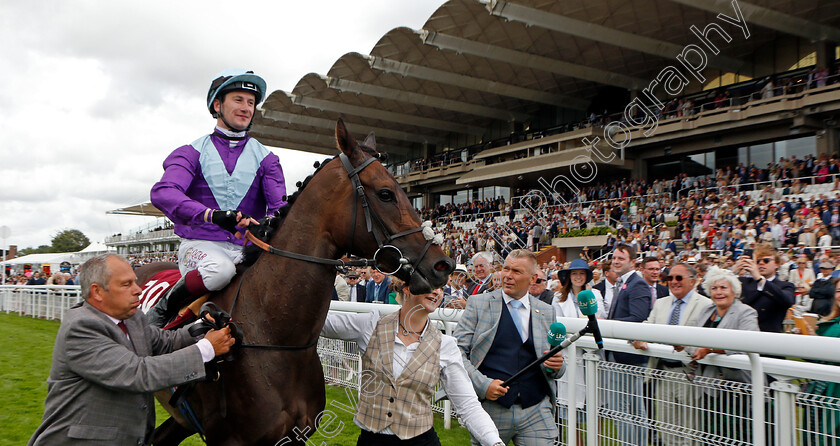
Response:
column 235, row 80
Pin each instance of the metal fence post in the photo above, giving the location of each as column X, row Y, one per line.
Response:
column 571, row 400
column 784, row 394
column 759, row 438
column 592, row 421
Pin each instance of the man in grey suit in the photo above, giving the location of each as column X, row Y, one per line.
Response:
column 681, row 307
column 501, row 332
column 108, row 361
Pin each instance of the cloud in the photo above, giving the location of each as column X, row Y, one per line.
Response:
column 96, row 94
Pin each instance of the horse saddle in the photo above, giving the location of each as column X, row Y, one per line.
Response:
column 163, row 294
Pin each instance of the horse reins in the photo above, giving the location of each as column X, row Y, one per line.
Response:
column 382, row 244
column 370, row 218
column 383, row 240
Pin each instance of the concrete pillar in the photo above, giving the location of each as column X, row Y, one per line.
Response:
column 827, row 141
column 825, row 53
column 424, row 149
column 639, row 167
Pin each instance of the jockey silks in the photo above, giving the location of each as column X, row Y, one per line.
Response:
column 213, row 173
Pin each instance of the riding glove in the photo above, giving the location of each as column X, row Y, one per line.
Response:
column 227, row 220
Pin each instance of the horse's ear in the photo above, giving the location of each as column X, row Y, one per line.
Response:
column 370, row 141
column 344, row 139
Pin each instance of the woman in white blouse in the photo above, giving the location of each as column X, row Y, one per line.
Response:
column 398, row 409
column 571, row 282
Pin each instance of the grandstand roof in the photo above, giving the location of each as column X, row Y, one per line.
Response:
column 146, row 209
column 479, row 63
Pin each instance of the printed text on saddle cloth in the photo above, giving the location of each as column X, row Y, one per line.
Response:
column 156, row 287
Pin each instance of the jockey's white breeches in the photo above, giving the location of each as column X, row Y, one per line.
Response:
column 215, row 261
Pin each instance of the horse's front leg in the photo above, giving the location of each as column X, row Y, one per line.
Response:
column 170, row 433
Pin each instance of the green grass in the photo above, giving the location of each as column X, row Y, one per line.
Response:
column 26, row 346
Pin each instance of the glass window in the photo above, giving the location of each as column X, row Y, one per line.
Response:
column 710, row 160
column 724, row 158
column 798, row 147
column 503, row 192
column 444, row 199
column 761, row 155
column 462, row 196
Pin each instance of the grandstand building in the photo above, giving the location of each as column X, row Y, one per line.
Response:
column 492, row 97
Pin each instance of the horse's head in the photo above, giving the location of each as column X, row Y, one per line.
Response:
column 387, row 227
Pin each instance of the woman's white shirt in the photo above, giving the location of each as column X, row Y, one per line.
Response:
column 359, row 327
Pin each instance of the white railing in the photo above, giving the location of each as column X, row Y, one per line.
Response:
column 40, row 301
column 718, row 411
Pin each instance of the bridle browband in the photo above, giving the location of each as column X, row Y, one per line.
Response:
column 382, row 236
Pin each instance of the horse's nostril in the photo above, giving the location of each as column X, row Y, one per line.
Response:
column 442, row 266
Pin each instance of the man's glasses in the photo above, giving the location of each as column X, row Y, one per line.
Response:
column 541, row 280
column 678, row 278
column 765, row 260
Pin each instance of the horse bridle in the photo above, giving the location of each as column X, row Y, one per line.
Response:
column 382, row 236
column 383, row 241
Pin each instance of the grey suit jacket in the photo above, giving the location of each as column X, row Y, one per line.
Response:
column 99, row 391
column 661, row 314
column 477, row 329
column 740, row 316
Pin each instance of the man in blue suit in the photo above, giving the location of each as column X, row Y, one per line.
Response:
column 376, row 289
column 499, row 333
column 631, row 304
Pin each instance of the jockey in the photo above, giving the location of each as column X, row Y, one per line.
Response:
column 212, row 188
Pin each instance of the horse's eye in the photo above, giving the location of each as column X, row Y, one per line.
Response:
column 386, row 195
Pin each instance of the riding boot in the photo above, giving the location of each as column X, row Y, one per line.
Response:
column 160, row 315
column 176, row 298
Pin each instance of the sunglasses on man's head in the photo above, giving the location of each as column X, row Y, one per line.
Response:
column 678, row 278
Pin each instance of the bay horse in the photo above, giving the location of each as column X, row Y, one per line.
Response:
column 264, row 394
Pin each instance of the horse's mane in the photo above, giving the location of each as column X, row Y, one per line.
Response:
column 269, row 225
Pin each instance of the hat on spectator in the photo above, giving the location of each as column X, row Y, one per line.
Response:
column 827, row 265
column 578, row 264
column 460, row 268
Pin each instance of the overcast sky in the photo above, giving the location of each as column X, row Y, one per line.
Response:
column 95, row 94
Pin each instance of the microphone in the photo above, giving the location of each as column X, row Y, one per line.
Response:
column 588, row 307
column 556, row 336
